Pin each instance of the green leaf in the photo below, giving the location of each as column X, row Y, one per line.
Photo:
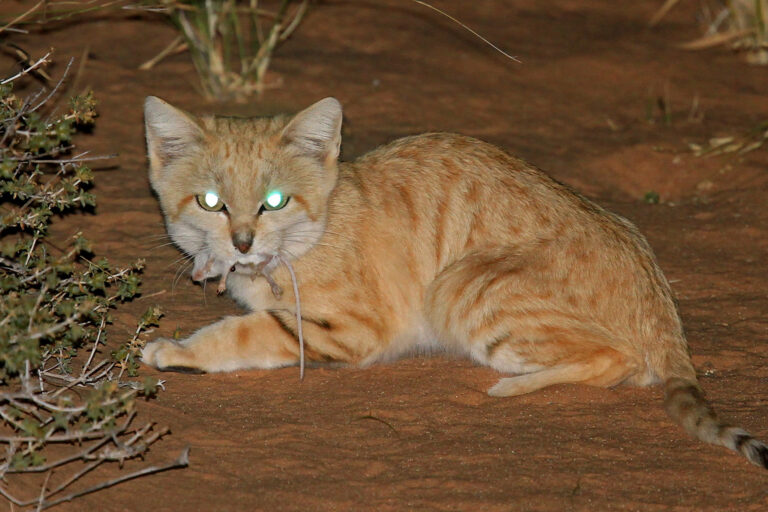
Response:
column 32, row 428
column 150, row 386
column 151, row 317
column 651, row 197
column 82, row 244
column 60, row 420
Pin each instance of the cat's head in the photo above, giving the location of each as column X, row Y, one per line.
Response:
column 237, row 190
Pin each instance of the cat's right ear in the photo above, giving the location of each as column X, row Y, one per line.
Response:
column 170, row 133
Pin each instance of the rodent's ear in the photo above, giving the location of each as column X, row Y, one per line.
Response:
column 316, row 130
column 170, row 133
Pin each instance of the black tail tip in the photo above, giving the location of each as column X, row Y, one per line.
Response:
column 755, row 451
column 758, row 454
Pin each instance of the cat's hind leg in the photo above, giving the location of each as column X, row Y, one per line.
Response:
column 507, row 312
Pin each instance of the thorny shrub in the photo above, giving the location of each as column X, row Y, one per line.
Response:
column 61, row 402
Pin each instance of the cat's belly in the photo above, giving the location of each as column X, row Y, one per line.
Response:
column 421, row 339
column 417, row 339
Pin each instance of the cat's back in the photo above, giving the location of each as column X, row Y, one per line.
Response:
column 445, row 160
column 440, row 154
column 454, row 194
column 455, row 179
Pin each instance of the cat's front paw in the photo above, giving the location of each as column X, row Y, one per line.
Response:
column 169, row 356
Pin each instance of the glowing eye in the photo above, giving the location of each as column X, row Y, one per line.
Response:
column 210, row 201
column 275, row 200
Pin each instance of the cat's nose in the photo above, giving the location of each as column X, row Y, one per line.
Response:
column 242, row 240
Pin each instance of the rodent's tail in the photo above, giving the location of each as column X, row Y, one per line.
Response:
column 685, row 403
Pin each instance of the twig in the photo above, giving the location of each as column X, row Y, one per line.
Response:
column 297, row 17
column 181, row 462
column 52, row 329
column 717, row 39
column 42, row 60
column 177, row 45
column 66, row 483
column 60, row 438
column 55, row 88
column 83, row 455
column 152, row 295
column 465, row 27
column 93, row 350
column 13, row 499
column 71, row 90
column 370, row 416
column 41, row 499
column 669, row 4
column 74, row 159
column 22, row 16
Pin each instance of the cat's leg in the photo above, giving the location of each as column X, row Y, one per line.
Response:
column 602, row 367
column 508, row 314
column 256, row 340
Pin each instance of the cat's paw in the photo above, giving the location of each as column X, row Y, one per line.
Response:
column 169, row 356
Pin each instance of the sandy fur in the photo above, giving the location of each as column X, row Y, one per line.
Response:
column 437, row 241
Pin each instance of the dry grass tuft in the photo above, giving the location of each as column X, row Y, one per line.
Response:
column 736, row 144
column 232, row 41
column 740, row 24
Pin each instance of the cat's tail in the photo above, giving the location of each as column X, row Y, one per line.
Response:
column 685, row 403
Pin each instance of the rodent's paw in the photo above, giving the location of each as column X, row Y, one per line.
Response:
column 169, row 356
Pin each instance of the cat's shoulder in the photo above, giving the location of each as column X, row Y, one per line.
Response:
column 444, row 148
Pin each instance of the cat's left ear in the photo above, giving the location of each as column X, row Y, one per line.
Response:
column 316, row 130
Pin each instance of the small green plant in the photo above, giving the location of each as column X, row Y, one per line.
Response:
column 659, row 105
column 651, row 197
column 232, row 41
column 62, row 404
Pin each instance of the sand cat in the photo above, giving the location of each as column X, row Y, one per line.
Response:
column 437, row 242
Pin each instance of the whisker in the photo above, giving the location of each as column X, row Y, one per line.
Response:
column 155, row 235
column 183, row 268
column 183, row 238
column 169, row 237
column 180, row 259
column 156, row 247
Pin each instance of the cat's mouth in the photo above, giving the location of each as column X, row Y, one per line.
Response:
column 208, row 267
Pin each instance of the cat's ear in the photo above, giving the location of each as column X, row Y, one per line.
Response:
column 316, row 131
column 170, row 133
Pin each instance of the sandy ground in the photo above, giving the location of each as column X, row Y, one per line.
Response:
column 422, row 434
